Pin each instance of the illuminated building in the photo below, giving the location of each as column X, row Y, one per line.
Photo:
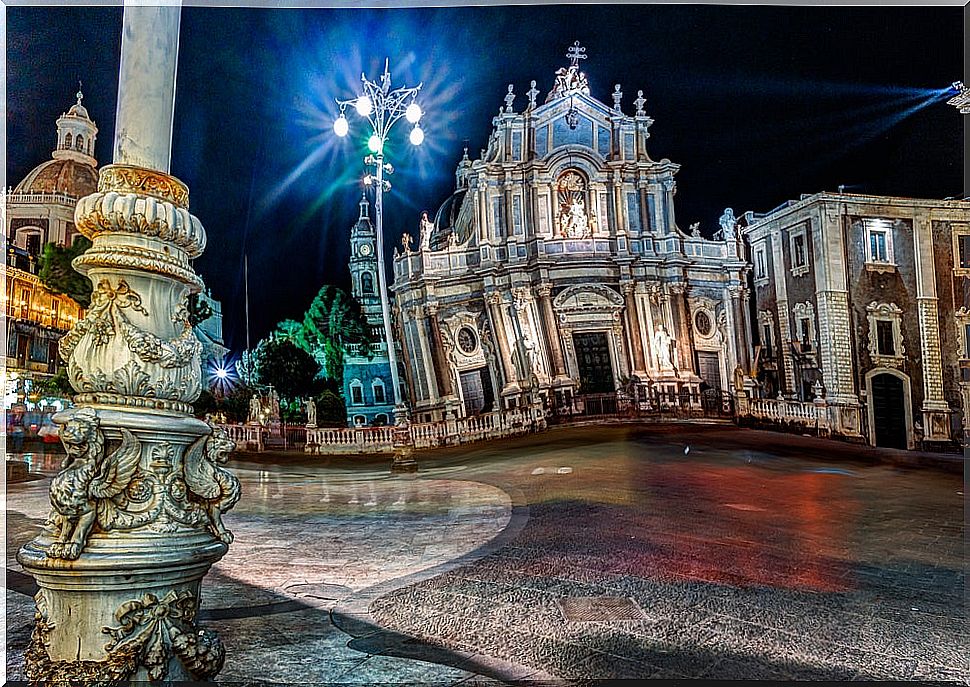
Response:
column 40, row 209
column 866, row 299
column 556, row 274
column 367, row 379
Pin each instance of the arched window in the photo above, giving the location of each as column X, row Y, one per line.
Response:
column 79, row 142
column 359, row 420
column 380, row 420
column 378, row 387
column 356, row 393
column 367, row 283
column 68, row 140
column 572, row 196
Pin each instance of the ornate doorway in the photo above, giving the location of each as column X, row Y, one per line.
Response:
column 889, row 411
column 593, row 360
column 476, row 390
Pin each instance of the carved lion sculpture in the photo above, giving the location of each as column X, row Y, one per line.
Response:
column 86, row 477
column 207, row 480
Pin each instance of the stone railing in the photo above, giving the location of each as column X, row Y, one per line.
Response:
column 809, row 413
column 247, row 437
column 370, row 440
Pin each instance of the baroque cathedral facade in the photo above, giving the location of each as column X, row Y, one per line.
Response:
column 557, row 271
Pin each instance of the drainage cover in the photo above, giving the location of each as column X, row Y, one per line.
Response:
column 599, row 608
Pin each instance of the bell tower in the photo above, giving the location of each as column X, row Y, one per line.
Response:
column 363, row 265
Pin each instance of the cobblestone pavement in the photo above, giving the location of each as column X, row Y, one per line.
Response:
column 744, row 554
column 776, row 561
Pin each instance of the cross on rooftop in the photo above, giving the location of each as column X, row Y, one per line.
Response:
column 576, row 53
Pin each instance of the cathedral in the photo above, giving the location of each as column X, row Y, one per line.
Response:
column 556, row 273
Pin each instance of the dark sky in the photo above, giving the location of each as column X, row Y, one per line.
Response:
column 758, row 105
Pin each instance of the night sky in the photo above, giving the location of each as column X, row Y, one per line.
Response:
column 758, row 105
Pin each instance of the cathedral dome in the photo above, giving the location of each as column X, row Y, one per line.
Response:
column 446, row 219
column 64, row 175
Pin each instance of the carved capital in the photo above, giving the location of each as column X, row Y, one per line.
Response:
column 137, row 213
column 627, row 287
column 141, row 181
column 544, row 290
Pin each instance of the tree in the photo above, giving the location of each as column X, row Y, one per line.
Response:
column 331, row 411
column 58, row 275
column 333, row 321
column 287, row 368
column 291, row 330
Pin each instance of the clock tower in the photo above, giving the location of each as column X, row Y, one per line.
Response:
column 363, row 265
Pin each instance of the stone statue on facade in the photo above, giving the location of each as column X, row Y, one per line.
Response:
column 425, row 228
column 663, row 342
column 406, row 241
column 311, row 413
column 738, row 378
column 728, row 224
column 695, row 229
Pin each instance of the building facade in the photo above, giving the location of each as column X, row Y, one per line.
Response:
column 40, row 210
column 557, row 271
column 866, row 299
column 367, row 377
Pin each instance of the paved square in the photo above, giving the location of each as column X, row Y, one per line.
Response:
column 754, row 556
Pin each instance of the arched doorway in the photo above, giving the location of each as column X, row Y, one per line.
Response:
column 888, row 406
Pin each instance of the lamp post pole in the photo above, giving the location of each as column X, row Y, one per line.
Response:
column 382, row 108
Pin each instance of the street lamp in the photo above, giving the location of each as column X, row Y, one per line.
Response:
column 382, row 108
column 961, row 100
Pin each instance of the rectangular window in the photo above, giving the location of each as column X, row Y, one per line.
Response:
column 879, row 240
column 966, row 339
column 378, row 393
column 766, row 339
column 357, row 395
column 761, row 267
column 805, row 333
column 885, row 337
column 798, row 251
column 963, row 246
column 877, row 246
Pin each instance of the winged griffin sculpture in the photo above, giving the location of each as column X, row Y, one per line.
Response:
column 87, row 479
column 216, row 487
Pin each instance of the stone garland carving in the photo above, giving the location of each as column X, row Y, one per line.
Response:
column 151, row 631
column 105, row 320
column 112, row 493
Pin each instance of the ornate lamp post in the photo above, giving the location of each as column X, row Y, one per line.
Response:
column 382, row 108
column 961, row 100
column 136, row 511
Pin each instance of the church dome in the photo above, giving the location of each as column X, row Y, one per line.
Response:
column 64, row 175
column 445, row 220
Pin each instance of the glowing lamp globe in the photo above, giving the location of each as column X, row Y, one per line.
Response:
column 413, row 113
column 364, row 106
column 340, row 125
column 417, row 136
column 375, row 143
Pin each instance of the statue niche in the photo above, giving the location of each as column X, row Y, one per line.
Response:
column 572, row 194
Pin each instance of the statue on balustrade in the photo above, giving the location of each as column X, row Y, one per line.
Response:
column 311, row 413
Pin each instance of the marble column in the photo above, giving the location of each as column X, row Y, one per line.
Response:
column 494, row 300
column 740, row 327
column 443, row 375
column 680, row 320
column 633, row 322
column 429, row 372
column 136, row 511
column 553, row 338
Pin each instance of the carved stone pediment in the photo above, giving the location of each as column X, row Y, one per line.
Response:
column 588, row 297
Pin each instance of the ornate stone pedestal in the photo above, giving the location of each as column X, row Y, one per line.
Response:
column 136, row 511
